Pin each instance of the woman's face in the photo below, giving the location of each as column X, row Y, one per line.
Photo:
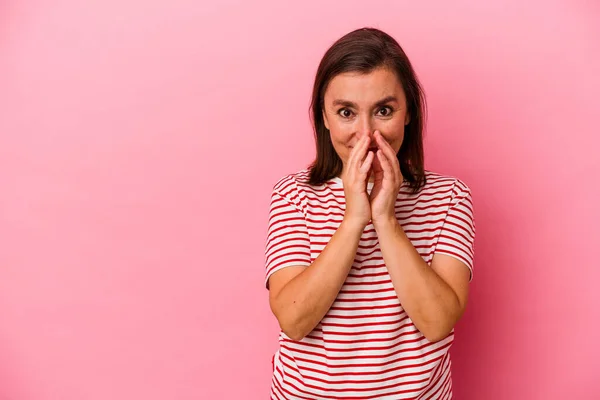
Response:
column 357, row 104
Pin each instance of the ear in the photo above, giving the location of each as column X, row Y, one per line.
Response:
column 325, row 121
column 407, row 119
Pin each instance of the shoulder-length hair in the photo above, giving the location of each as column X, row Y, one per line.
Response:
column 364, row 50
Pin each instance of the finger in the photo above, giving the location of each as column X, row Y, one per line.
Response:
column 351, row 157
column 366, row 169
column 359, row 152
column 386, row 166
column 366, row 165
column 388, row 152
column 353, row 152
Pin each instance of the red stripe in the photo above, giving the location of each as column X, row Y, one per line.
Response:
column 390, row 289
column 447, row 387
column 281, row 388
column 292, row 262
column 369, row 332
column 437, row 375
column 358, row 341
column 363, row 397
column 304, row 256
column 455, row 254
column 454, row 243
column 378, row 323
column 366, row 381
column 447, row 394
column 369, row 275
column 358, row 316
column 365, row 356
column 462, row 233
column 363, row 300
column 368, row 283
column 280, row 252
column 377, row 396
column 364, row 365
column 379, row 307
column 285, row 225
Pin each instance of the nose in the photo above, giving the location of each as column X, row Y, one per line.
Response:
column 364, row 128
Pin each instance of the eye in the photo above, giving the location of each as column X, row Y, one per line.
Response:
column 345, row 113
column 385, row 111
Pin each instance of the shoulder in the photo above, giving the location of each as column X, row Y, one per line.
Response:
column 449, row 186
column 292, row 186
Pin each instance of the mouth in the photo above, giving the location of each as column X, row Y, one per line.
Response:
column 369, row 149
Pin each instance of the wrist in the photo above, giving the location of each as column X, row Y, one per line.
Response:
column 353, row 226
column 385, row 223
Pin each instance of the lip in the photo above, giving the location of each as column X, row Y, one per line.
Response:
column 369, row 149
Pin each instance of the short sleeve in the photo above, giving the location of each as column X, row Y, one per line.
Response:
column 288, row 243
column 457, row 236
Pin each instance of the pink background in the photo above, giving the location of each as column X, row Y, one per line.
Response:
column 140, row 141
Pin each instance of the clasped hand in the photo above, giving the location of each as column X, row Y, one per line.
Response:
column 383, row 165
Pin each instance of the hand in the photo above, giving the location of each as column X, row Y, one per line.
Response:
column 387, row 182
column 355, row 176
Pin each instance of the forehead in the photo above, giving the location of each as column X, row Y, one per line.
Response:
column 364, row 88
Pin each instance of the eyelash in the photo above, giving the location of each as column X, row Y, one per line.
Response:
column 391, row 110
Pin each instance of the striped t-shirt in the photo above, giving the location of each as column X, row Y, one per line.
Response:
column 366, row 346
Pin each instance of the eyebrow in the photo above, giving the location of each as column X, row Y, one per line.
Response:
column 346, row 103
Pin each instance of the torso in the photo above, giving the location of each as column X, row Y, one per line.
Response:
column 366, row 346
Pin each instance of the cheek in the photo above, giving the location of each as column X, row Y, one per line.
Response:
column 340, row 135
column 394, row 133
column 340, row 143
column 341, row 130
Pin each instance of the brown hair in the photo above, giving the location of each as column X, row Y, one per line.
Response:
column 364, row 50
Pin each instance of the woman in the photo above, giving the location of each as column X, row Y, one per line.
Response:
column 368, row 256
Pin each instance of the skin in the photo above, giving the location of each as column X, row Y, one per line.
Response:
column 366, row 115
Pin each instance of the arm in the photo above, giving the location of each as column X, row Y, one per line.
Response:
column 433, row 297
column 301, row 296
